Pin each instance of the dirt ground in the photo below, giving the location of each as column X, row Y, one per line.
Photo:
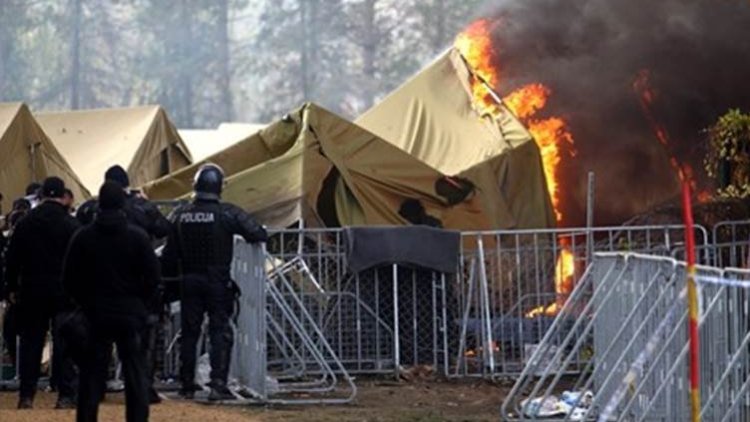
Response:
column 377, row 400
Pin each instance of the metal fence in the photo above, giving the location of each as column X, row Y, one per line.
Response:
column 628, row 315
column 478, row 321
column 483, row 320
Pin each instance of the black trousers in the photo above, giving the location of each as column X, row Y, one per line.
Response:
column 10, row 331
column 34, row 323
column 130, row 350
column 201, row 295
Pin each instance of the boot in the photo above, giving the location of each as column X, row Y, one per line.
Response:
column 65, row 403
column 187, row 391
column 220, row 393
column 25, row 403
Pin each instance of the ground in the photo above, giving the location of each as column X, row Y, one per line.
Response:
column 377, row 400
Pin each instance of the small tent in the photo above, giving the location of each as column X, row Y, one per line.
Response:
column 433, row 118
column 27, row 155
column 203, row 143
column 141, row 139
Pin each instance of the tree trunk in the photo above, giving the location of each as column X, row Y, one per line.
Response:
column 305, row 48
column 75, row 55
column 225, row 77
column 185, row 78
column 369, row 52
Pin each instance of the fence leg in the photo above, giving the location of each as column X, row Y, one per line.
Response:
column 396, row 340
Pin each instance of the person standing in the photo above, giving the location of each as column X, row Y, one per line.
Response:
column 200, row 247
column 34, row 262
column 144, row 214
column 111, row 272
column 138, row 210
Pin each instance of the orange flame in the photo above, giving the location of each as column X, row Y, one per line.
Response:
column 551, row 134
column 475, row 45
column 647, row 96
column 565, row 268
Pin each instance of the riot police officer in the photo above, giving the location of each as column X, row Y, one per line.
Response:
column 138, row 210
column 200, row 246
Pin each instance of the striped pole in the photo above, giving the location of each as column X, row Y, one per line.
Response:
column 694, row 364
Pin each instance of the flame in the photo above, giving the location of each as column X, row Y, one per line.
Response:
column 565, row 268
column 550, row 134
column 648, row 96
column 475, row 45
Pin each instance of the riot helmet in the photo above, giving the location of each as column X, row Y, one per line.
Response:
column 208, row 181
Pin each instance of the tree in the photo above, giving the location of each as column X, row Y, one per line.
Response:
column 728, row 157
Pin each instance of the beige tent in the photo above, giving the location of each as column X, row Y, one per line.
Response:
column 141, row 139
column 433, row 118
column 203, row 143
column 27, row 155
column 316, row 165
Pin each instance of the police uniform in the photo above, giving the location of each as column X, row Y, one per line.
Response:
column 200, row 247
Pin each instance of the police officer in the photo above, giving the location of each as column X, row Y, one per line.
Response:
column 34, row 262
column 200, row 245
column 139, row 210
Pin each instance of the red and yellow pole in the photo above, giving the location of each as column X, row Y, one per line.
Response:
column 694, row 340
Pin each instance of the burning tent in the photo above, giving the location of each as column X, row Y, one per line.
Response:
column 319, row 167
column 435, row 117
column 141, row 139
column 27, row 154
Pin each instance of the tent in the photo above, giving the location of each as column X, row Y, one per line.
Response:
column 432, row 117
column 203, row 143
column 328, row 171
column 27, row 155
column 141, row 139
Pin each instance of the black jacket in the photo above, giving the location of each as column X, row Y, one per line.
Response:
column 3, row 242
column 202, row 238
column 140, row 212
column 111, row 271
column 35, row 252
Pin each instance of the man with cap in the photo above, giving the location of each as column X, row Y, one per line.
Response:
column 200, row 247
column 111, row 271
column 34, row 262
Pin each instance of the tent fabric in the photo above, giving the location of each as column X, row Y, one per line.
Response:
column 432, row 117
column 263, row 173
column 141, row 139
column 203, row 143
column 27, row 155
column 376, row 178
column 328, row 171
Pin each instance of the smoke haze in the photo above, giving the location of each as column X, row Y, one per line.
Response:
column 589, row 52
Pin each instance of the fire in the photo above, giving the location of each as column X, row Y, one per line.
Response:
column 551, row 133
column 647, row 96
column 565, row 268
column 475, row 45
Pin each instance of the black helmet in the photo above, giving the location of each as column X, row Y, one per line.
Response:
column 208, row 181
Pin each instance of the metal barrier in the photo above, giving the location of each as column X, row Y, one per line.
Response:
column 513, row 282
column 478, row 322
column 628, row 314
column 730, row 243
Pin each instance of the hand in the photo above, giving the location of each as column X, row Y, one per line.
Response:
column 12, row 298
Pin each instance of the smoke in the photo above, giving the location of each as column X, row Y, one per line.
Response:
column 589, row 52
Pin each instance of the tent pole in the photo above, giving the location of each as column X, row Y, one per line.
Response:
column 590, row 218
